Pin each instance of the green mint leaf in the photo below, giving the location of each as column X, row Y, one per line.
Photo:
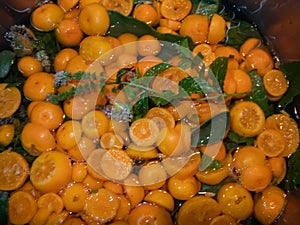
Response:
column 291, row 70
column 4, row 207
column 208, row 163
column 6, row 61
column 206, row 7
column 219, row 69
column 258, row 93
column 156, row 69
column 212, row 130
column 236, row 139
column 140, row 109
column 196, row 85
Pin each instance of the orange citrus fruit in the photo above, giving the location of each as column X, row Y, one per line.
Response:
column 74, row 196
column 147, row 213
column 175, row 9
column 21, row 207
column 247, row 118
column 260, row 60
column 103, row 199
column 46, row 171
column 275, row 83
column 206, row 51
column 10, row 100
column 279, row 168
column 152, row 176
column 242, row 80
column 7, row 133
column 271, row 142
column 256, row 178
column 248, row 45
column 93, row 47
column 94, row 124
column 287, row 126
column 94, row 19
column 67, row 5
column 28, row 65
column 226, row 51
column 245, row 157
column 63, row 57
column 269, row 204
column 144, row 132
column 148, row 45
column 217, row 29
column 47, row 114
column 68, row 32
column 172, row 24
column 183, row 189
column 189, row 211
column 223, row 220
column 147, row 13
column 76, row 64
column 122, row 164
column 38, row 85
column 122, row 6
column 169, row 79
column 51, row 201
column 69, row 134
column 36, row 138
column 146, row 63
column 161, row 116
column 196, row 26
column 47, row 17
column 161, row 198
column 235, row 201
column 13, row 169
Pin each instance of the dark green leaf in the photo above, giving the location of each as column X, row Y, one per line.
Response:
column 239, row 32
column 156, row 69
column 258, row 94
column 140, row 109
column 46, row 41
column 6, row 61
column 195, row 85
column 212, row 130
column 251, row 221
column 206, row 7
column 292, row 180
column 239, row 140
column 208, row 163
column 3, row 207
column 163, row 98
column 212, row 188
column 291, row 70
column 219, row 69
column 120, row 24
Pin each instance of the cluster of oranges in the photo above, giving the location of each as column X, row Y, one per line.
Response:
column 93, row 169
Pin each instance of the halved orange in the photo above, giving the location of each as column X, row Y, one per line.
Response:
column 247, row 118
column 144, row 132
column 21, row 207
column 175, row 9
column 198, row 210
column 287, row 126
column 51, row 171
column 271, row 142
column 122, row 6
column 10, row 100
column 116, row 164
column 162, row 117
column 13, row 170
column 275, row 83
column 101, row 207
